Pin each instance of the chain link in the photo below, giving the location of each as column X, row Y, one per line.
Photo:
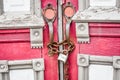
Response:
column 68, row 47
column 66, row 71
column 53, row 47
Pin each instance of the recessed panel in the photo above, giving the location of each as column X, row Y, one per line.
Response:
column 102, row 2
column 16, row 5
column 27, row 74
column 100, row 72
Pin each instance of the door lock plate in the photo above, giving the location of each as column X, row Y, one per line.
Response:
column 82, row 32
column 36, row 36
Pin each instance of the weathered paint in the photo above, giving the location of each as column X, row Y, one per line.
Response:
column 15, row 45
column 105, row 40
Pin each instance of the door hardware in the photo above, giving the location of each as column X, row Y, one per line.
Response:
column 49, row 13
column 53, row 46
column 68, row 12
column 82, row 32
column 60, row 36
column 36, row 39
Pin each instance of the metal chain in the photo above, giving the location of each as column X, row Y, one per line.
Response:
column 66, row 71
column 53, row 47
column 68, row 47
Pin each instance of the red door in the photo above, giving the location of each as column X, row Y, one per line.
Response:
column 105, row 41
column 15, row 45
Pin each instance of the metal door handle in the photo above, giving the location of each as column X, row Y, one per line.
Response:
column 69, row 11
column 49, row 13
column 50, row 24
column 68, row 14
column 68, row 30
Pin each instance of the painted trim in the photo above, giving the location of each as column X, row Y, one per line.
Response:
column 32, row 20
column 36, row 64
column 84, row 61
column 87, row 13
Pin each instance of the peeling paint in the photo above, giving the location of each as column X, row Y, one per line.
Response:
column 98, row 13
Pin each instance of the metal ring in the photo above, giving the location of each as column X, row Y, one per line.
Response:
column 69, row 10
column 49, row 13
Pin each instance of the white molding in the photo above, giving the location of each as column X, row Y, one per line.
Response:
column 16, row 20
column 84, row 61
column 37, row 65
column 20, row 19
column 87, row 13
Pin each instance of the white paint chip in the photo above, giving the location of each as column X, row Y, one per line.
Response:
column 16, row 5
column 27, row 74
column 102, row 2
column 100, row 72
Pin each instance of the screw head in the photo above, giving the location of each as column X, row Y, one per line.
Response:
column 82, row 60
column 118, row 61
column 82, row 27
column 36, row 33
column 2, row 66
column 38, row 64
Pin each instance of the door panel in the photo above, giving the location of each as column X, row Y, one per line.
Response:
column 104, row 41
column 104, row 44
column 15, row 45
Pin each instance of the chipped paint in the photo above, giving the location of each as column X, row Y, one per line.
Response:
column 98, row 14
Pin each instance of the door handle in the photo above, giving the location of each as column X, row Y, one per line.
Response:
column 49, row 13
column 68, row 12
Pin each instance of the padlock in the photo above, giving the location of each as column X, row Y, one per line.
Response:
column 63, row 57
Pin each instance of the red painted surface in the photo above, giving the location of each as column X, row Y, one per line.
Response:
column 105, row 40
column 15, row 45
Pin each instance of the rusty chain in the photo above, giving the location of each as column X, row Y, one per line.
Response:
column 66, row 71
column 53, row 47
column 68, row 47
